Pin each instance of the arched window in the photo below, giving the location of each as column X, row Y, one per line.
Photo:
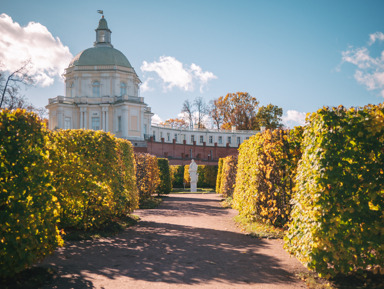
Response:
column 72, row 90
column 123, row 89
column 96, row 89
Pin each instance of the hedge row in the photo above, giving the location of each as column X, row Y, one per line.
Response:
column 219, row 173
column 29, row 211
column 147, row 175
column 165, row 185
column 338, row 213
column 228, row 176
column 177, row 176
column 93, row 173
column 265, row 175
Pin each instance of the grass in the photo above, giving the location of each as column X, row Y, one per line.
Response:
column 258, row 229
column 109, row 229
column 152, row 203
column 188, row 191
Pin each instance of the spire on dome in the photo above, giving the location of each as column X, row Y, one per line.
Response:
column 103, row 34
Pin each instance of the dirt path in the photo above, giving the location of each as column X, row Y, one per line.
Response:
column 189, row 241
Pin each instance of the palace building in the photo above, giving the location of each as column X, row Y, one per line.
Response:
column 103, row 93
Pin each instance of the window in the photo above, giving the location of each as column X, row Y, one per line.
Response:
column 67, row 123
column 123, row 89
column 72, row 90
column 168, row 136
column 229, row 140
column 161, row 135
column 238, row 140
column 176, row 137
column 220, row 139
column 96, row 89
column 95, row 123
column 119, row 123
column 210, row 139
column 145, row 128
column 201, row 139
column 192, row 138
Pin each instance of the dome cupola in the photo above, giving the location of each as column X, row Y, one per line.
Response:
column 103, row 34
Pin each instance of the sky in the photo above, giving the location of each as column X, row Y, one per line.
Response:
column 299, row 55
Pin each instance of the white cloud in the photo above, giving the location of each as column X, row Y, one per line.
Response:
column 293, row 118
column 48, row 55
column 145, row 86
column 156, row 119
column 174, row 73
column 370, row 70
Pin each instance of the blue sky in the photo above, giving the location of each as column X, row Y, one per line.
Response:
column 299, row 55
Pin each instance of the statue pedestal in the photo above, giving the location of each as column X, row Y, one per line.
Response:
column 193, row 187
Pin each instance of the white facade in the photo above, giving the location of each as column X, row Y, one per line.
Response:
column 102, row 93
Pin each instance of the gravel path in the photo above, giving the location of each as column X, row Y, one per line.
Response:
column 189, row 241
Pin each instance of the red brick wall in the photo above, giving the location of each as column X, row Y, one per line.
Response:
column 180, row 154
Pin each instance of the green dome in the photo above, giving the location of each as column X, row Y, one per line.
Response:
column 100, row 55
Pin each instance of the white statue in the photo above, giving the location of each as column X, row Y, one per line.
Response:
column 193, row 175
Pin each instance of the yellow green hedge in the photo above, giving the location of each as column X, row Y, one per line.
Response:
column 147, row 175
column 265, row 175
column 94, row 177
column 207, row 176
column 218, row 177
column 165, row 186
column 177, row 176
column 337, row 221
column 28, row 206
column 228, row 176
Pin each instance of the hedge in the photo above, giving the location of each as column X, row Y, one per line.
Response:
column 165, row 186
column 177, row 176
column 228, row 176
column 94, row 177
column 265, row 175
column 187, row 178
column 28, row 206
column 207, row 176
column 147, row 175
column 337, row 221
column 219, row 174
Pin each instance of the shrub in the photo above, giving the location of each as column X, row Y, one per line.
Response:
column 337, row 216
column 147, row 175
column 228, row 177
column 187, row 178
column 165, row 186
column 28, row 207
column 265, row 175
column 219, row 174
column 94, row 177
column 207, row 176
column 177, row 176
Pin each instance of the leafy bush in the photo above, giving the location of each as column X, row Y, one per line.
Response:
column 147, row 175
column 177, row 176
column 28, row 207
column 219, row 174
column 228, row 176
column 94, row 177
column 207, row 176
column 337, row 221
column 187, row 178
column 265, row 175
column 165, row 186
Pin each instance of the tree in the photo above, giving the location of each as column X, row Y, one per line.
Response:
column 235, row 109
column 201, row 110
column 269, row 117
column 187, row 109
column 177, row 123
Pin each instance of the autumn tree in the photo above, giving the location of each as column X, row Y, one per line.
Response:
column 269, row 117
column 201, row 111
column 216, row 113
column 177, row 123
column 187, row 109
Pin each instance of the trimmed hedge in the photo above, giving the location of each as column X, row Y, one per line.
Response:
column 187, row 178
column 147, row 175
column 165, row 186
column 207, row 176
column 28, row 206
column 177, row 176
column 228, row 176
column 219, row 174
column 265, row 175
column 94, row 177
column 337, row 221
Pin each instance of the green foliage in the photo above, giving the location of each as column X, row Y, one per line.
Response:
column 28, row 207
column 219, row 174
column 94, row 177
column 177, row 176
column 147, row 175
column 165, row 186
column 265, row 177
column 187, row 178
column 337, row 221
column 228, row 176
column 207, row 176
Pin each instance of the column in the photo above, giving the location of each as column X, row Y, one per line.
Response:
column 124, row 122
